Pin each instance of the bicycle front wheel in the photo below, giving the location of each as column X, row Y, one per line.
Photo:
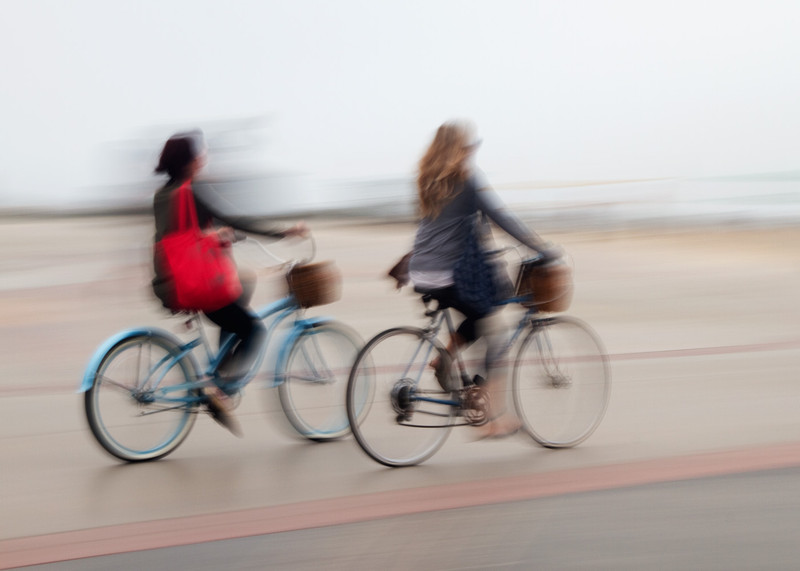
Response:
column 140, row 406
column 562, row 382
column 398, row 412
column 315, row 379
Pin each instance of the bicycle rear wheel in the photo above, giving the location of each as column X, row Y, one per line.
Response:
column 398, row 412
column 139, row 406
column 562, row 382
column 312, row 393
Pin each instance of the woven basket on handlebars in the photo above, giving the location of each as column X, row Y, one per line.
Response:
column 547, row 286
column 315, row 284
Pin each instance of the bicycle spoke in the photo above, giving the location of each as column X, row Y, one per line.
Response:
column 314, row 380
column 140, row 406
column 109, row 382
column 561, row 382
column 390, row 423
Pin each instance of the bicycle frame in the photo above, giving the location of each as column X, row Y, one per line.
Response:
column 443, row 316
column 272, row 315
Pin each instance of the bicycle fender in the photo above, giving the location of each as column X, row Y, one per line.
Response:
column 300, row 326
column 108, row 344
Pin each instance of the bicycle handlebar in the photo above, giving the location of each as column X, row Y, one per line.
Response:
column 241, row 236
column 553, row 254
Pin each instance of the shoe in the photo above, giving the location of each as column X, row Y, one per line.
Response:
column 218, row 405
column 228, row 383
column 500, row 427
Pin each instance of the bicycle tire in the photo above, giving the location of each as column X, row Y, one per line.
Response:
column 393, row 429
column 130, row 421
column 315, row 379
column 562, row 382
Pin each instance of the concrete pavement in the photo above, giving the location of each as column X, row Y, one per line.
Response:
column 701, row 326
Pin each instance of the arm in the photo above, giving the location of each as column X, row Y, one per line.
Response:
column 490, row 203
column 213, row 207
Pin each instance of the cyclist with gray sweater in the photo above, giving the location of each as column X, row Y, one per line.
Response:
column 452, row 196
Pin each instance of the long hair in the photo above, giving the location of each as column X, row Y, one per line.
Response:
column 443, row 167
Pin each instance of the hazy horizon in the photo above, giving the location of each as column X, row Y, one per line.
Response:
column 560, row 91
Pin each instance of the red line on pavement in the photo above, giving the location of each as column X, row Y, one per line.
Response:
column 705, row 351
column 336, row 511
column 665, row 354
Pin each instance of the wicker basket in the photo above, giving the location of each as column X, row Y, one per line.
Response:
column 315, row 284
column 547, row 286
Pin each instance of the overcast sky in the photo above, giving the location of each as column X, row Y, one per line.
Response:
column 560, row 90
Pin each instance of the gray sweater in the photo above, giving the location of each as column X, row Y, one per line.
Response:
column 439, row 241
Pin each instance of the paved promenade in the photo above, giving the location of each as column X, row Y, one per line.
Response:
column 702, row 326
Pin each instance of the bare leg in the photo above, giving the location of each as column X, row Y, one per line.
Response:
column 502, row 419
column 444, row 370
column 454, row 345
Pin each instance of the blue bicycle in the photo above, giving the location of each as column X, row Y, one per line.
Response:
column 144, row 386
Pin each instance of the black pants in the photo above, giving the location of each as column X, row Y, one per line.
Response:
column 237, row 320
column 448, row 297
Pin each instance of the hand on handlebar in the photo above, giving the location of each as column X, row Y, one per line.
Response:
column 551, row 253
column 300, row 229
